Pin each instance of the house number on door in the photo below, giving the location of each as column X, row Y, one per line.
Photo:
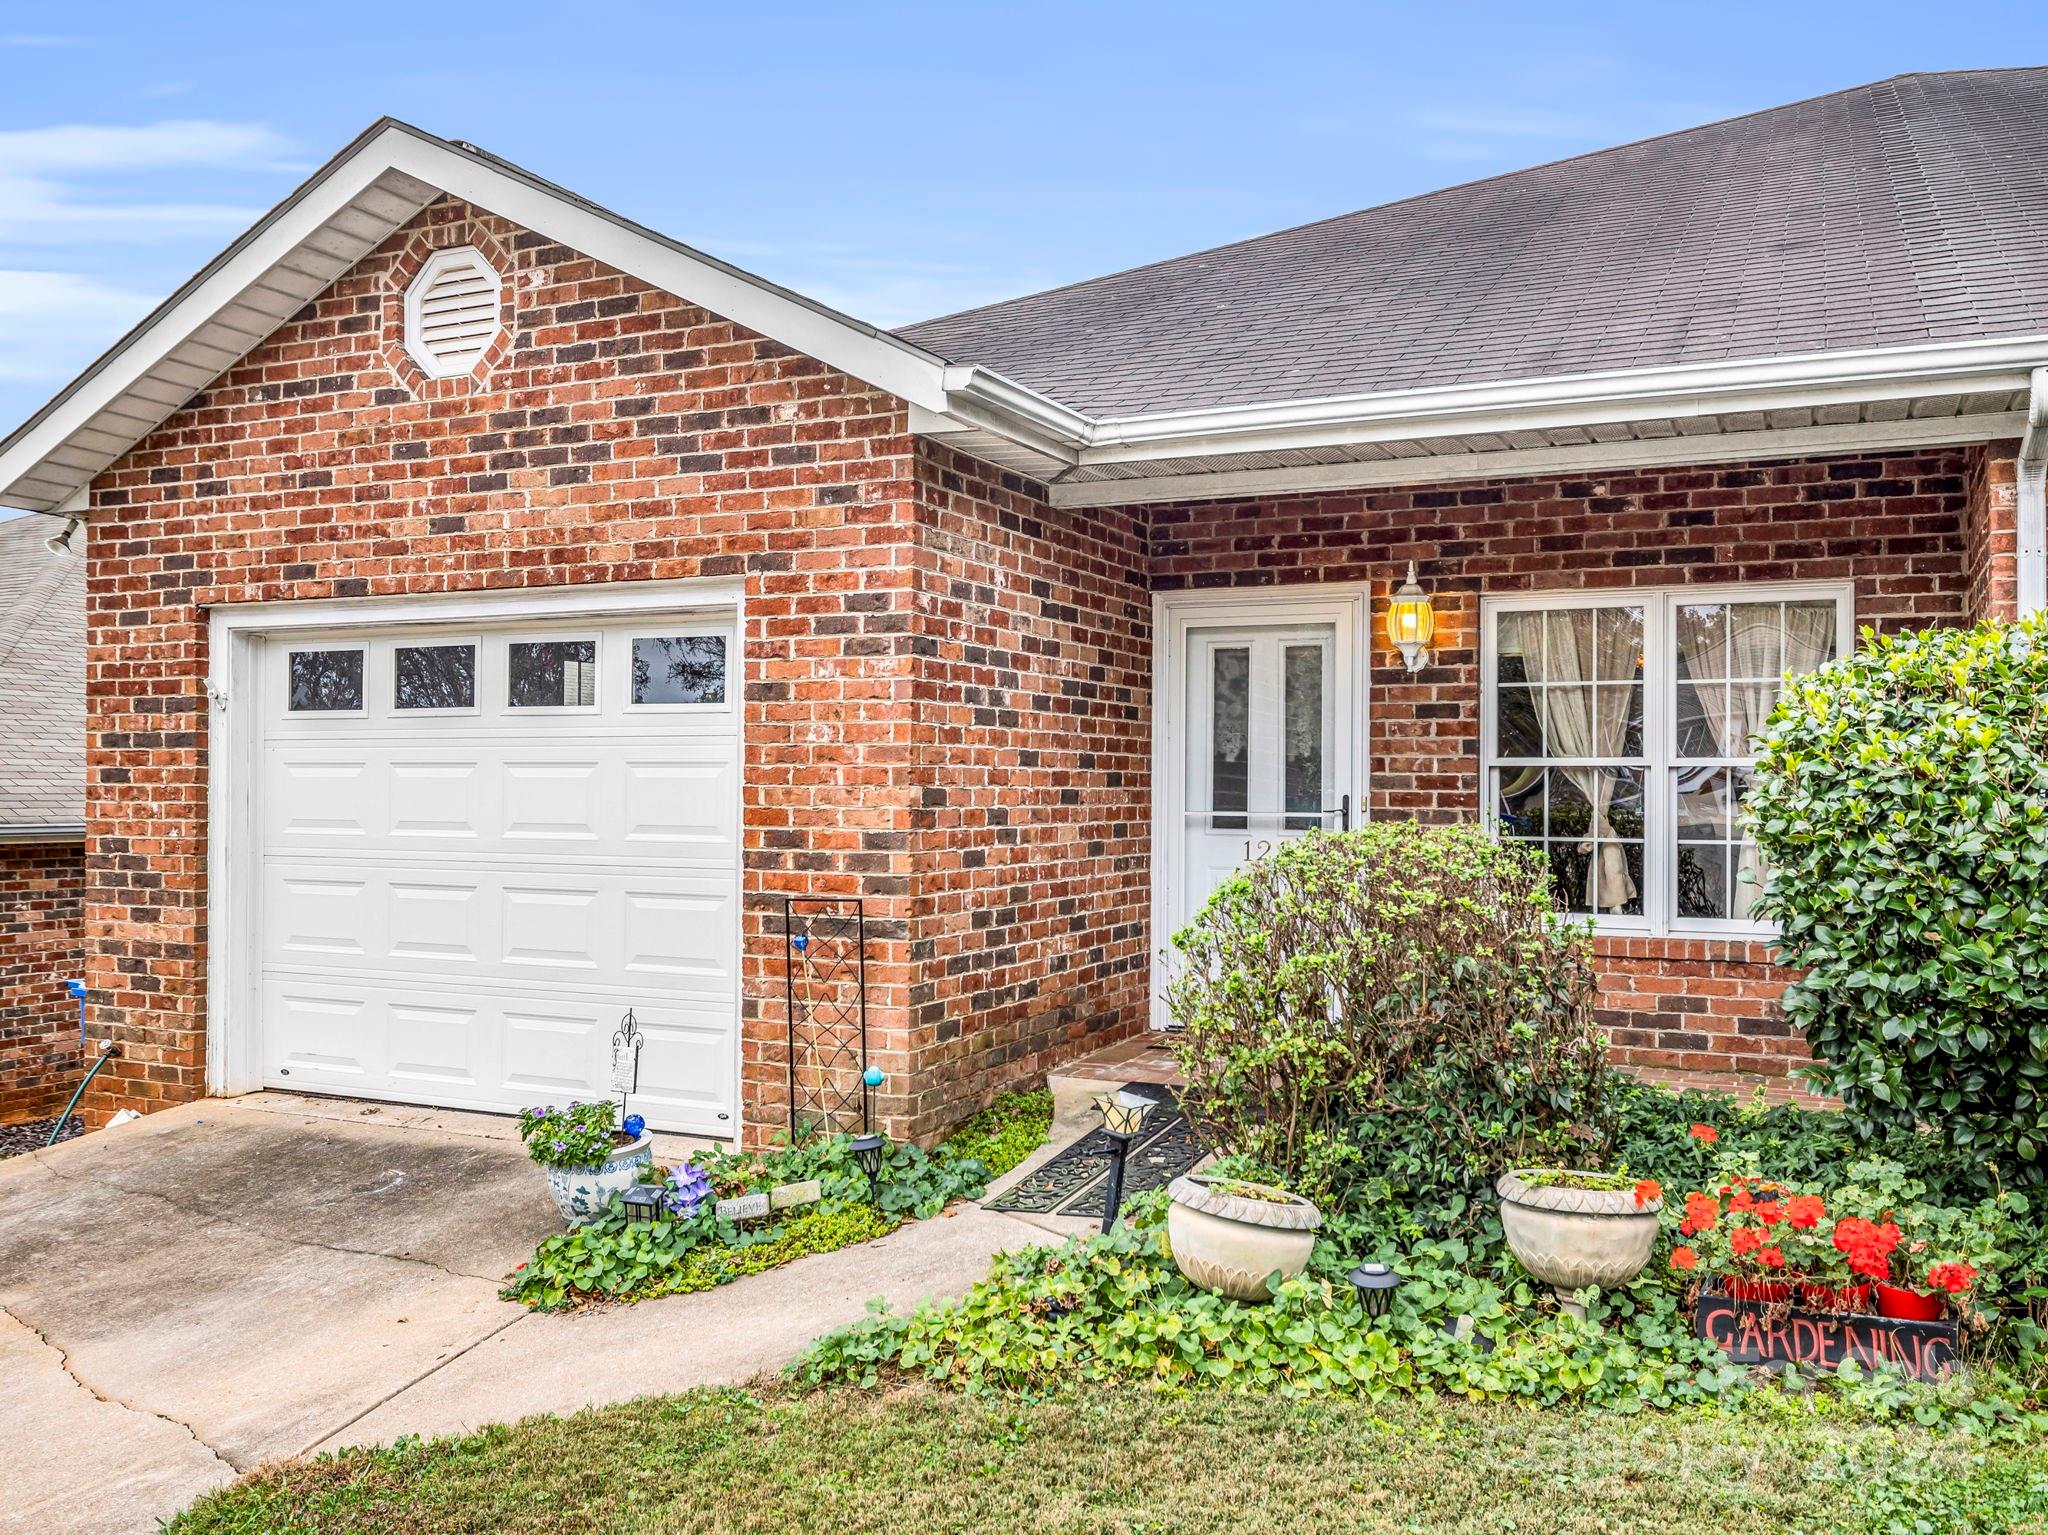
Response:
column 1264, row 847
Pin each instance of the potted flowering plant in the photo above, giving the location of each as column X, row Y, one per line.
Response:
column 1744, row 1240
column 1922, row 1258
column 1570, row 1228
column 590, row 1157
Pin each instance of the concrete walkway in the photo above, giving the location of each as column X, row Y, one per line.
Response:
column 236, row 1282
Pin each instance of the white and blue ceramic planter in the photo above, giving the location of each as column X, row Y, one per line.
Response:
column 581, row 1193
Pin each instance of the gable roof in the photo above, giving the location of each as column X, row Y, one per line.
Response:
column 1861, row 272
column 42, row 682
column 336, row 217
column 1910, row 211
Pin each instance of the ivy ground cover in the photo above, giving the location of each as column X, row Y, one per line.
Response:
column 688, row 1247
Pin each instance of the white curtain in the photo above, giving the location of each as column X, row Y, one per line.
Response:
column 1759, row 640
column 1567, row 646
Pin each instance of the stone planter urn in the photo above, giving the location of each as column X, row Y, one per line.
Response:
column 582, row 1193
column 1569, row 1238
column 1233, row 1242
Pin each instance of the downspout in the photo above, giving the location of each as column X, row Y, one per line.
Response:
column 2033, row 501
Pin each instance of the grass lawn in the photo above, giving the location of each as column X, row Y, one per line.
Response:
column 1121, row 1463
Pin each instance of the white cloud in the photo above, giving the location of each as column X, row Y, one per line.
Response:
column 53, row 323
column 84, row 147
column 48, row 193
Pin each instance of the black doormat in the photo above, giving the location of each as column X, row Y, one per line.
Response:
column 30, row 1134
column 1076, row 1182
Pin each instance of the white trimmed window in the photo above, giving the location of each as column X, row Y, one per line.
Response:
column 1616, row 734
column 451, row 312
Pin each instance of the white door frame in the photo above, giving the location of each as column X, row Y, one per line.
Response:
column 236, row 633
column 1347, row 607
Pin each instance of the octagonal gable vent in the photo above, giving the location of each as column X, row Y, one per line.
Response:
column 451, row 312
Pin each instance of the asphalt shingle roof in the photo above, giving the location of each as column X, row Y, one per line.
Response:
column 42, row 676
column 1911, row 210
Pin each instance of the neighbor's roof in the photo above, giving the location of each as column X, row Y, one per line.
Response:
column 42, row 681
column 1910, row 211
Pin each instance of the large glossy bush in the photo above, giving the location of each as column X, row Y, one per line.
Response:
column 1397, row 972
column 1901, row 805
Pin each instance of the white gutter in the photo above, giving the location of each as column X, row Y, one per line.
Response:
column 53, row 831
column 2033, row 501
column 1759, row 386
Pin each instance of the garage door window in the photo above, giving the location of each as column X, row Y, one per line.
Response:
column 433, row 677
column 326, row 681
column 551, row 674
column 679, row 669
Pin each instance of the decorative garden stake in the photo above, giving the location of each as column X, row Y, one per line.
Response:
column 867, row 1146
column 1123, row 1116
column 626, row 1042
column 642, row 1201
column 1375, row 1284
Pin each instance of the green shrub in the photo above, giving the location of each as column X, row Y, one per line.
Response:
column 1901, row 806
column 1404, row 976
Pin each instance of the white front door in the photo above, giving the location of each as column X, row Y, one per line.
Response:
column 1263, row 712
column 481, row 845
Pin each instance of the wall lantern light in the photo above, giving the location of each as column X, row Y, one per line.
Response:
column 1411, row 622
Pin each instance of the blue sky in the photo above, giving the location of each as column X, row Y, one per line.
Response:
column 896, row 160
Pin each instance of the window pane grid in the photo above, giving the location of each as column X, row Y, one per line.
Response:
column 1667, row 691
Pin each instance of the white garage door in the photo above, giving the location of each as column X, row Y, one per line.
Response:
column 480, row 847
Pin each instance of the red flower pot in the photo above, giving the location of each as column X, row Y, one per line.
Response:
column 1909, row 1305
column 1815, row 1296
column 1765, row 1292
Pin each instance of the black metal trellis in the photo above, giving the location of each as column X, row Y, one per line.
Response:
column 825, row 990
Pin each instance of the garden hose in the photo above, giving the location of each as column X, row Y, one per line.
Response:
column 107, row 1052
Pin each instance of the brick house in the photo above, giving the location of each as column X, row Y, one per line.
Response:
column 42, row 813
column 496, row 609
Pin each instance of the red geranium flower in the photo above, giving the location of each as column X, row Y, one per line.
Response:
column 1705, row 1134
column 1805, row 1210
column 1953, row 1277
column 1684, row 1258
column 1647, row 1191
column 1744, row 1240
column 1770, row 1212
column 1770, row 1257
column 1742, row 1199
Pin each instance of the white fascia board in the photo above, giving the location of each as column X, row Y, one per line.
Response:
column 1588, row 458
column 147, row 347
column 1762, row 385
column 241, row 275
column 871, row 355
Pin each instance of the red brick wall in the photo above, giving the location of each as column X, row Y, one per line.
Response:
column 622, row 435
column 1991, row 537
column 1893, row 525
column 40, row 886
column 946, row 683
column 1033, row 866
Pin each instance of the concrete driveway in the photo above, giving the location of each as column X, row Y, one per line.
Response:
column 240, row 1281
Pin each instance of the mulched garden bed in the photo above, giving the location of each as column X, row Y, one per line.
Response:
column 30, row 1134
